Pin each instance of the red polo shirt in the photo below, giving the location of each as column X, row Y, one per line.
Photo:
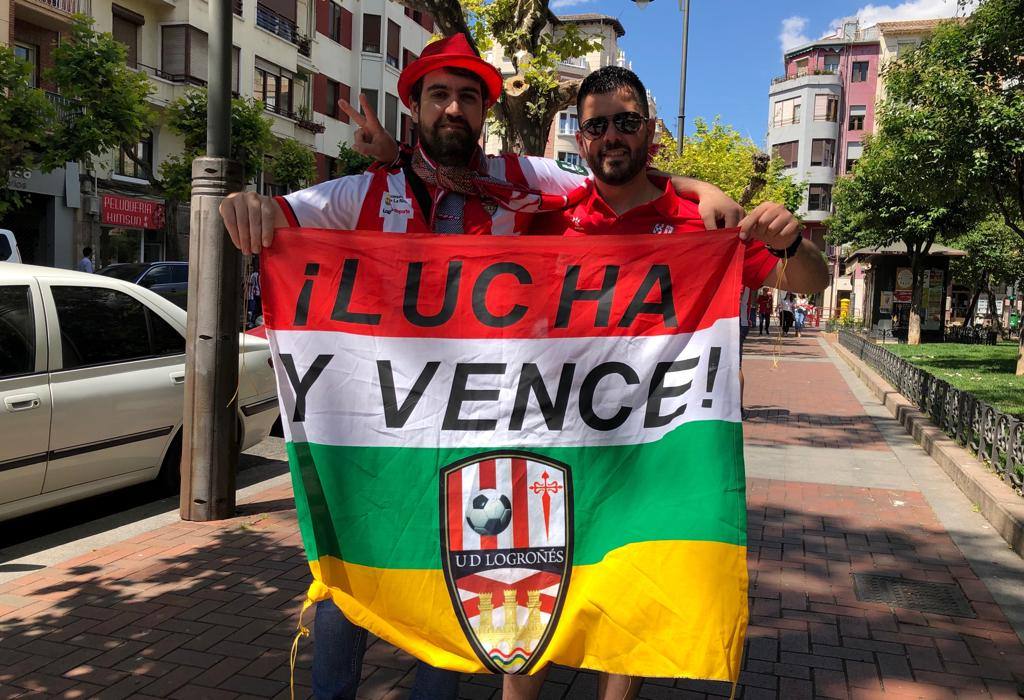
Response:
column 669, row 213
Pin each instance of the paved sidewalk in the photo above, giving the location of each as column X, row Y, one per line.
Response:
column 188, row 610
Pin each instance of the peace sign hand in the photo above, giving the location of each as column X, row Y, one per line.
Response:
column 371, row 139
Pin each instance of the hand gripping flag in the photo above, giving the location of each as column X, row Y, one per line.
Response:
column 509, row 451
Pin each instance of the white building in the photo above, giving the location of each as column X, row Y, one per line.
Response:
column 296, row 56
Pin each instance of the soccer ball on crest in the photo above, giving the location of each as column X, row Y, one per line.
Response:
column 489, row 512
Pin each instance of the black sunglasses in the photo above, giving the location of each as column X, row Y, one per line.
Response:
column 625, row 123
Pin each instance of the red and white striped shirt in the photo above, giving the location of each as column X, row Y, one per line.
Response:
column 383, row 200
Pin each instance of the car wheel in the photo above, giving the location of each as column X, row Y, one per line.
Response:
column 169, row 478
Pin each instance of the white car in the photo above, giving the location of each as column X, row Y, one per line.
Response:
column 92, row 379
column 8, row 247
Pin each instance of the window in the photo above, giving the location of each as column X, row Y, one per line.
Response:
column 372, row 99
column 394, row 44
column 160, row 274
column 371, row 33
column 801, row 67
column 786, row 112
column 902, row 47
column 819, row 197
column 391, row 115
column 823, row 152
column 859, row 72
column 126, row 30
column 334, row 11
column 17, row 332
column 857, row 113
column 100, row 326
column 408, row 135
column 568, row 123
column 788, row 152
column 333, row 95
column 272, row 85
column 30, row 55
column 854, row 149
column 408, row 57
column 179, row 274
column 143, row 152
column 571, row 158
column 826, row 108
column 183, row 56
column 832, row 64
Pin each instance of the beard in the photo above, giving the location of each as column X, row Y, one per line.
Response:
column 623, row 169
column 449, row 146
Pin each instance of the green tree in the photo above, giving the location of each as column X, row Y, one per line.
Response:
column 718, row 154
column 186, row 117
column 292, row 165
column 25, row 119
column 994, row 256
column 535, row 94
column 887, row 200
column 959, row 99
column 350, row 161
column 106, row 104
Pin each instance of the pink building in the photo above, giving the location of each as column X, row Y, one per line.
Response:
column 819, row 112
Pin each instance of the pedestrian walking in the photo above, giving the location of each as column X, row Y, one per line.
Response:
column 85, row 264
column 786, row 312
column 764, row 311
column 801, row 308
column 445, row 185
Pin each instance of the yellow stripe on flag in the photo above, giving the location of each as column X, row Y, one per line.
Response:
column 670, row 608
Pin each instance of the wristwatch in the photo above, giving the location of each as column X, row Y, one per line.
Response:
column 786, row 252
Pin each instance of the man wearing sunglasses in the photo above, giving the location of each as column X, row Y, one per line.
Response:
column 624, row 197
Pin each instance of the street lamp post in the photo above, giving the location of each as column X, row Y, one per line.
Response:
column 684, row 7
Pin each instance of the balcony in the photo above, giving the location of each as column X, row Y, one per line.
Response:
column 277, row 24
column 67, row 7
column 816, row 77
column 178, row 78
column 301, row 118
column 65, row 108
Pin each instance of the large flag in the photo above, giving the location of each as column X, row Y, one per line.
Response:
column 509, row 451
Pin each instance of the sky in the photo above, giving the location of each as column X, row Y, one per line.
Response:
column 735, row 47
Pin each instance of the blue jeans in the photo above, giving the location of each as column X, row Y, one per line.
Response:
column 801, row 316
column 338, row 647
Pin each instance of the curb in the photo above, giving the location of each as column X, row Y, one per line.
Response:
column 995, row 500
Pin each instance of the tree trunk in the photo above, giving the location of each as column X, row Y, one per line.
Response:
column 979, row 286
column 992, row 315
column 1020, row 350
column 914, row 322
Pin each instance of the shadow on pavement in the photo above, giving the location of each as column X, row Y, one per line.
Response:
column 210, row 611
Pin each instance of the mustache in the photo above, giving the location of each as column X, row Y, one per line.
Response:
column 452, row 121
column 615, row 145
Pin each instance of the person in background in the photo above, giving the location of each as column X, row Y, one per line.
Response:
column 786, row 312
column 800, row 310
column 85, row 264
column 764, row 311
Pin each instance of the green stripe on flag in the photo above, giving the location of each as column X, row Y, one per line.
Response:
column 687, row 486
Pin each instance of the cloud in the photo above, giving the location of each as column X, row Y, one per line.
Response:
column 911, row 9
column 792, row 33
column 560, row 4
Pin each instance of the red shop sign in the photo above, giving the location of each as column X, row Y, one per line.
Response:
column 131, row 212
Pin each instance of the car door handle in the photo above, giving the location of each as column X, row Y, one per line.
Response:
column 177, row 377
column 21, row 402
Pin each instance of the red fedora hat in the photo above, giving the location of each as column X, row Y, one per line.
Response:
column 450, row 52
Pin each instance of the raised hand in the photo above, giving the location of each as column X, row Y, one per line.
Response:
column 371, row 139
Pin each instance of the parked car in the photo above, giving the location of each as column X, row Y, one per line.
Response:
column 169, row 279
column 9, row 247
column 92, row 374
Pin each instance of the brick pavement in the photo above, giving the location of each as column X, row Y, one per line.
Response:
column 196, row 610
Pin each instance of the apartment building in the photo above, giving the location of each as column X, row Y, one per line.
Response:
column 819, row 112
column 605, row 29
column 297, row 57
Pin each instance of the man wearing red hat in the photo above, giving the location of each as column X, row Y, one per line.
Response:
column 447, row 186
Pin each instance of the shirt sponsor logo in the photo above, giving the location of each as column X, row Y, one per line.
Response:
column 663, row 228
column 395, row 205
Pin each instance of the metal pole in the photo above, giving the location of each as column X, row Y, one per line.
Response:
column 684, row 5
column 211, row 436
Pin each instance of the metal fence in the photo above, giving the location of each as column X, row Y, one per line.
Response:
column 996, row 438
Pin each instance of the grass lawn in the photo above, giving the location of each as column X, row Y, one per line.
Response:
column 987, row 371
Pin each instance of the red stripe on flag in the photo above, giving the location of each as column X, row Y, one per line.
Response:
column 455, row 511
column 520, row 510
column 488, row 480
column 385, row 264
